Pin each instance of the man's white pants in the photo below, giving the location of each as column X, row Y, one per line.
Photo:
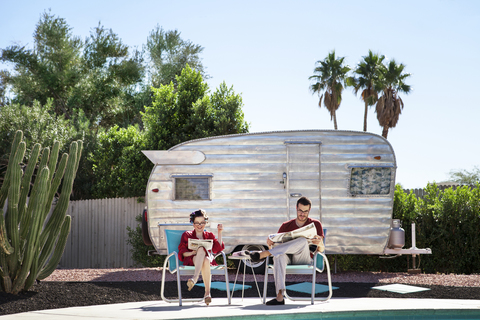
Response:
column 292, row 252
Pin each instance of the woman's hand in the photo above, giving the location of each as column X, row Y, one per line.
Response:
column 190, row 253
column 220, row 227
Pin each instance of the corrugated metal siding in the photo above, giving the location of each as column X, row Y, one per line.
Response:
column 99, row 233
column 248, row 198
column 355, row 224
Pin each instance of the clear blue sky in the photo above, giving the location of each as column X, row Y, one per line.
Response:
column 268, row 49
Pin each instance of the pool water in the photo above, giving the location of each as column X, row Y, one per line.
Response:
column 461, row 314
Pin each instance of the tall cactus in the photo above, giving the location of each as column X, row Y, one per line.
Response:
column 32, row 241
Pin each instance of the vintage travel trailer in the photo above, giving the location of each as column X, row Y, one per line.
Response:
column 250, row 183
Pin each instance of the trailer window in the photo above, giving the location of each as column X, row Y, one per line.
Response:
column 192, row 189
column 370, row 181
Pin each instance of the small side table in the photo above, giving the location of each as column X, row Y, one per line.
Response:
column 243, row 258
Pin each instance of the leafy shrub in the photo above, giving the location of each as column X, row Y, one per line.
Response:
column 139, row 249
column 445, row 221
column 449, row 224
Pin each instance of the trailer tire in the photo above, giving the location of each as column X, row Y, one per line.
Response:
column 145, row 235
column 258, row 267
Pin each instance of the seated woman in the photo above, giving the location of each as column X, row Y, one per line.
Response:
column 201, row 258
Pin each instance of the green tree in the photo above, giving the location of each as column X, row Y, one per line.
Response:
column 176, row 115
column 367, row 76
column 93, row 75
column 110, row 77
column 188, row 112
column 49, row 70
column 120, row 168
column 329, row 79
column 465, row 177
column 389, row 106
column 169, row 54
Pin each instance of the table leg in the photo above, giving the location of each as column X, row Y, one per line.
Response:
column 244, row 269
column 256, row 283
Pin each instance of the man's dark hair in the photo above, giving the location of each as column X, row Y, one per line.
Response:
column 304, row 201
column 198, row 213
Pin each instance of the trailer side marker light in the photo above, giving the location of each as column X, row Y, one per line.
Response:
column 155, row 190
column 377, row 157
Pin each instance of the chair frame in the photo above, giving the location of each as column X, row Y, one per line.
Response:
column 182, row 270
column 302, row 269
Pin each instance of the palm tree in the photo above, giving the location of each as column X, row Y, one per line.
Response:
column 389, row 105
column 367, row 74
column 330, row 77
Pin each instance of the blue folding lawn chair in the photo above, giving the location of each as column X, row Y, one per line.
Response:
column 173, row 238
column 319, row 262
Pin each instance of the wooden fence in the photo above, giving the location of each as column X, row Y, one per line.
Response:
column 420, row 193
column 98, row 238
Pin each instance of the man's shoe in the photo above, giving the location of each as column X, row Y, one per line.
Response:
column 254, row 256
column 275, row 302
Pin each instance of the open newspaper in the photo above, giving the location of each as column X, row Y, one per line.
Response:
column 309, row 231
column 194, row 244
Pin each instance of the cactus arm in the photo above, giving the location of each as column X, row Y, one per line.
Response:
column 55, row 184
column 5, row 280
column 11, row 219
column 59, row 248
column 6, row 183
column 16, row 156
column 79, row 154
column 52, row 228
column 38, row 202
column 5, row 246
column 23, row 218
column 52, row 162
column 45, row 157
column 14, row 174
column 33, row 272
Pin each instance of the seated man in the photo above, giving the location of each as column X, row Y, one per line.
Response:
column 296, row 251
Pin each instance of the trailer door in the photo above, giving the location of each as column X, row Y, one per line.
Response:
column 303, row 176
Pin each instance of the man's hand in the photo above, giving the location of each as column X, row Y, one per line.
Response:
column 317, row 240
column 270, row 242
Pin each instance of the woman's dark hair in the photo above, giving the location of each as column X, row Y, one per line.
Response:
column 198, row 213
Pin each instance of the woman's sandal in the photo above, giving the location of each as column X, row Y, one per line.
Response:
column 208, row 299
column 190, row 284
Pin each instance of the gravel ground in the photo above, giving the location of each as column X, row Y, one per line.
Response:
column 155, row 274
column 83, row 287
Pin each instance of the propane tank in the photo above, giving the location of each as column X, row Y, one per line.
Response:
column 397, row 235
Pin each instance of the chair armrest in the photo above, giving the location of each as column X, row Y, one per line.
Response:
column 167, row 261
column 324, row 258
column 223, row 255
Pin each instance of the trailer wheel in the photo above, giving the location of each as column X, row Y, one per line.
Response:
column 258, row 267
column 145, row 235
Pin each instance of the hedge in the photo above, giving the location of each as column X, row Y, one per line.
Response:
column 448, row 222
